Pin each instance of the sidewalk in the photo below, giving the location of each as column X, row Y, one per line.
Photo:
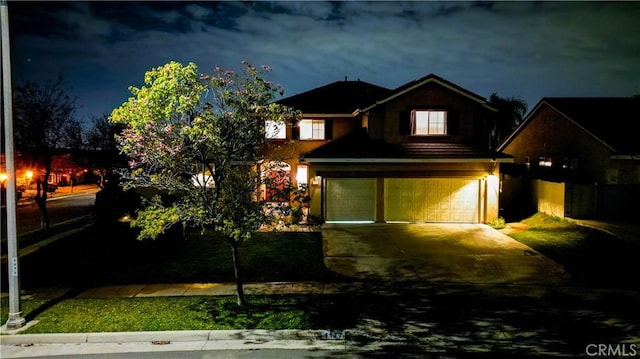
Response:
column 479, row 331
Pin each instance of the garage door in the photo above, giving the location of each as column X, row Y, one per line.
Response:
column 431, row 199
column 350, row 199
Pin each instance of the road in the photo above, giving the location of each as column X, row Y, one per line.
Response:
column 62, row 207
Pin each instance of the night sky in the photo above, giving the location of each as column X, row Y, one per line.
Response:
column 525, row 49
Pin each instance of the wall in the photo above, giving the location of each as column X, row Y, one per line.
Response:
column 549, row 197
column 472, row 119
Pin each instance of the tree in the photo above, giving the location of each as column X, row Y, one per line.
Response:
column 101, row 140
column 199, row 139
column 511, row 112
column 44, row 124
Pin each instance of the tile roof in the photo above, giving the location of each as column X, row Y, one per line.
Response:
column 337, row 97
column 613, row 120
column 359, row 146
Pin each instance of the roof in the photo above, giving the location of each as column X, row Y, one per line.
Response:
column 359, row 147
column 410, row 86
column 340, row 97
column 611, row 120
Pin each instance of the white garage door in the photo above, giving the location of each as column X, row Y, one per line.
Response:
column 431, row 199
column 350, row 199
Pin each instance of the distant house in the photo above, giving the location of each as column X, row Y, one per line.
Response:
column 419, row 153
column 579, row 157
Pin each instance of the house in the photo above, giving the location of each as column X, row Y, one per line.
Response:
column 327, row 114
column 419, row 153
column 579, row 157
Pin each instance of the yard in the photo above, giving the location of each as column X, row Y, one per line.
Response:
column 99, row 257
column 592, row 257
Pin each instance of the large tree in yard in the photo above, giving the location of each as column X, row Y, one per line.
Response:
column 44, row 125
column 200, row 140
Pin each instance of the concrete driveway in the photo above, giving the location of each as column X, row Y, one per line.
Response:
column 452, row 253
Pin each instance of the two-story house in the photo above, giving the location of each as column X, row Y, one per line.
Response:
column 582, row 156
column 326, row 114
column 419, row 153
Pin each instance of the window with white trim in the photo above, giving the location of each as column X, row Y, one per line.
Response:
column 312, row 130
column 275, row 130
column 428, row 122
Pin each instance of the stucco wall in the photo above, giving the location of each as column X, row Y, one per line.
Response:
column 549, row 197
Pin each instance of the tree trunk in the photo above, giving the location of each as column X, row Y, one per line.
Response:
column 236, row 267
column 41, row 201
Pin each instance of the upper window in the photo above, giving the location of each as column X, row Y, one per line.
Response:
column 312, row 130
column 428, row 122
column 276, row 130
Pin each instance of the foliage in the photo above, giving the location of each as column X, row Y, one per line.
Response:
column 199, row 139
column 44, row 124
column 511, row 112
column 101, row 139
column 497, row 223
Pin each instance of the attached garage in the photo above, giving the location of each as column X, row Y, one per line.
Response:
column 350, row 199
column 404, row 200
column 431, row 199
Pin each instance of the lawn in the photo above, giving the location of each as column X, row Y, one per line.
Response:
column 592, row 257
column 101, row 256
column 111, row 255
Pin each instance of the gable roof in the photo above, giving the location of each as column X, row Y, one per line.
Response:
column 340, row 97
column 611, row 120
column 412, row 85
column 359, row 147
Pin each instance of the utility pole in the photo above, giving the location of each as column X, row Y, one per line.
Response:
column 15, row 320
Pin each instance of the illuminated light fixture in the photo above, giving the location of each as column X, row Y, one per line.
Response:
column 316, row 180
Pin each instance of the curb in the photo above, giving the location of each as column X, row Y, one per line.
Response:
column 166, row 337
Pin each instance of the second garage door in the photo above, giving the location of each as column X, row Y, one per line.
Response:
column 431, row 199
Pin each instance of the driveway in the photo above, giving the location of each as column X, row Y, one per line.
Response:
column 452, row 253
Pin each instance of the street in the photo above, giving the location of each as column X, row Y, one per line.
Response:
column 63, row 206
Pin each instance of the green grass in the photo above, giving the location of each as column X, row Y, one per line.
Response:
column 188, row 313
column 591, row 256
column 104, row 256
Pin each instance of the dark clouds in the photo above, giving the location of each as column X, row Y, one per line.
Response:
column 529, row 49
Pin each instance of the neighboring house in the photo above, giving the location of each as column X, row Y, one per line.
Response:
column 419, row 153
column 579, row 157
